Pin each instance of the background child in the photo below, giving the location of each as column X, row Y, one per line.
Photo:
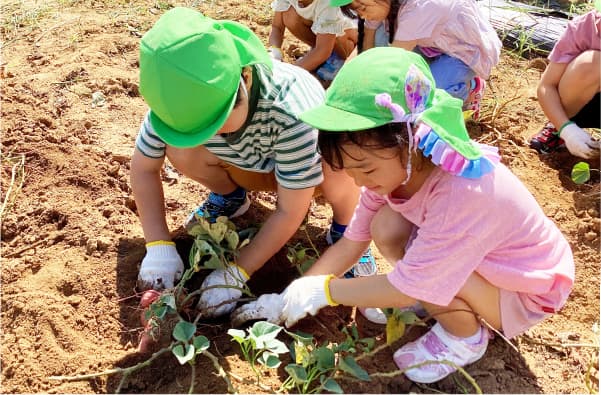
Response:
column 456, row 39
column 226, row 118
column 568, row 91
column 331, row 35
column 430, row 200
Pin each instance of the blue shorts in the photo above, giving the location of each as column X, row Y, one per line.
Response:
column 452, row 75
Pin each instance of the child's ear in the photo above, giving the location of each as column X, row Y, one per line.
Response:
column 247, row 75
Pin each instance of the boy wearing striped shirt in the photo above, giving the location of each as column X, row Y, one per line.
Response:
column 227, row 117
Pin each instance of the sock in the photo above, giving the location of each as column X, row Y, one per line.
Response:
column 473, row 339
column 336, row 227
column 237, row 193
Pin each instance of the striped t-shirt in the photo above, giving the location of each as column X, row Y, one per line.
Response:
column 273, row 139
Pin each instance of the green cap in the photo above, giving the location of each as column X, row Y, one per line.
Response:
column 352, row 100
column 190, row 68
column 339, row 3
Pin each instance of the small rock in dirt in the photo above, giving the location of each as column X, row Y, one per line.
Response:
column 114, row 170
column 91, row 246
column 103, row 243
column 590, row 236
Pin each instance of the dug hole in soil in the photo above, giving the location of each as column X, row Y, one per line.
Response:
column 72, row 243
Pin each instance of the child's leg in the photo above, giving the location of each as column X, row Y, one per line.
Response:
column 299, row 26
column 457, row 337
column 346, row 44
column 390, row 232
column 580, row 82
column 202, row 166
column 452, row 75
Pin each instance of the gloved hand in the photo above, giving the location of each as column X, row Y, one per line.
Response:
column 161, row 267
column 267, row 307
column 579, row 142
column 306, row 295
column 275, row 53
column 211, row 301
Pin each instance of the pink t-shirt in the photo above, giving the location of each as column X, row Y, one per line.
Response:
column 491, row 225
column 456, row 28
column 583, row 33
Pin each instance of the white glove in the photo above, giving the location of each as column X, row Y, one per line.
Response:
column 305, row 295
column 161, row 267
column 275, row 53
column 267, row 307
column 211, row 301
column 579, row 142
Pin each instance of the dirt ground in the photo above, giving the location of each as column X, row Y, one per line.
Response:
column 71, row 241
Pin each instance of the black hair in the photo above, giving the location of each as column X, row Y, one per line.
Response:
column 395, row 7
column 390, row 135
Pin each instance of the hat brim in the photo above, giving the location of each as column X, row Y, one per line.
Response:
column 191, row 139
column 339, row 3
column 333, row 119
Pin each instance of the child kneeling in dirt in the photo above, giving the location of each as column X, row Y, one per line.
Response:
column 568, row 91
column 225, row 117
column 466, row 238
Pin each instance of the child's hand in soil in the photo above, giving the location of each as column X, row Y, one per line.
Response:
column 161, row 268
column 267, row 307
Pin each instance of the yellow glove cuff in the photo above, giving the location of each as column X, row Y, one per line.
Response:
column 331, row 301
column 160, row 243
column 242, row 271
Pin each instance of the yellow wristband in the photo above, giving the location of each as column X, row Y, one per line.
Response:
column 327, row 289
column 160, row 243
column 243, row 272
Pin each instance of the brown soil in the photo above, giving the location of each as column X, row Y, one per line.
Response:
column 72, row 242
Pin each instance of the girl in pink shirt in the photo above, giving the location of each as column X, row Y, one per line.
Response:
column 466, row 238
column 455, row 38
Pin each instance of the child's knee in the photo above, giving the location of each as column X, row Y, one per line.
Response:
column 390, row 232
column 586, row 66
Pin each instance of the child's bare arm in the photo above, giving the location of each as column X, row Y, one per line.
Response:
column 324, row 45
column 369, row 38
column 148, row 192
column 292, row 206
column 276, row 37
column 408, row 45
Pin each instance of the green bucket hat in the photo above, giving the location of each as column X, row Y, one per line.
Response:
column 401, row 88
column 190, row 71
column 339, row 3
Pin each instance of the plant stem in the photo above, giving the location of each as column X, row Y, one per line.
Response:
column 220, row 372
column 192, row 377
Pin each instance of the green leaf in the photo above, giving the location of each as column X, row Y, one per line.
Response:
column 197, row 230
column 200, row 343
column 269, row 359
column 169, row 300
column 297, row 372
column 276, row 346
column 331, row 385
column 232, row 239
column 325, row 358
column 237, row 335
column 348, row 365
column 301, row 337
column 184, row 331
column 213, row 263
column 217, row 231
column 203, row 247
column 262, row 332
column 581, row 173
column 183, row 353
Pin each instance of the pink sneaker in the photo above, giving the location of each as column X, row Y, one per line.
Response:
column 472, row 103
column 438, row 345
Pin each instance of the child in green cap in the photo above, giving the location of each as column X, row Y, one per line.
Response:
column 465, row 237
column 225, row 117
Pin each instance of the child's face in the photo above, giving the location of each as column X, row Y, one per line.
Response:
column 371, row 10
column 379, row 170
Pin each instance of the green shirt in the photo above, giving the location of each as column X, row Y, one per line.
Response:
column 273, row 138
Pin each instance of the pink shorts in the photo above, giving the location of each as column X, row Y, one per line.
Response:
column 521, row 311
